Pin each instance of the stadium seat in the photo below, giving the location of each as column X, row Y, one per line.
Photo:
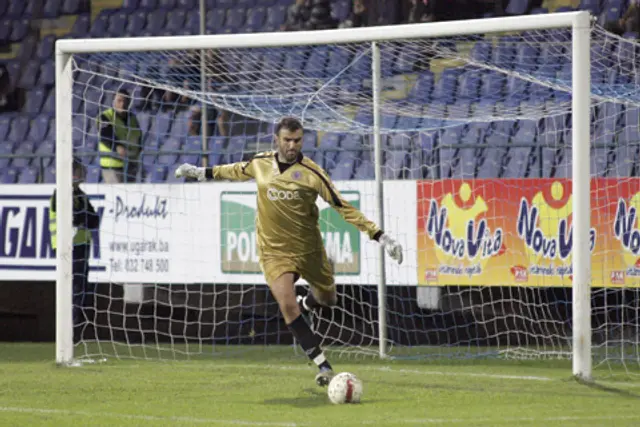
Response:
column 47, row 76
column 340, row 10
column 38, row 129
column 81, row 26
column 49, row 176
column 49, row 106
column 172, row 145
column 100, row 25
column 171, row 175
column 276, row 16
column 156, row 21
column 517, row 7
column 365, row 171
column 423, row 87
column 94, row 174
column 563, row 163
column 492, row 85
column 6, row 149
column 236, row 148
column 28, row 175
column 45, row 150
column 626, row 159
column 256, row 18
column 117, row 24
column 192, row 23
column 338, row 60
column 215, row 20
column 19, row 129
column 176, row 20
column 225, row 4
column 136, row 23
column 187, row 5
column 3, row 8
column 192, row 145
column 446, row 86
column 15, row 9
column 29, row 75
column 599, row 160
column 130, row 5
column 157, row 175
column 167, row 5
column 343, row 170
column 394, row 164
column 502, row 54
column 235, row 18
column 51, row 8
column 71, row 7
column 469, row 85
column 9, row 175
column 23, row 149
column 216, row 150
column 329, row 143
column 44, row 51
column 517, row 162
column 490, row 163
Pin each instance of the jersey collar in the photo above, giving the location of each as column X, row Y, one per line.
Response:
column 274, row 162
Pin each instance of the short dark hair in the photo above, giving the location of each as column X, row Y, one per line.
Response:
column 289, row 123
column 124, row 92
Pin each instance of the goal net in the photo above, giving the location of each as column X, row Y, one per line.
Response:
column 476, row 140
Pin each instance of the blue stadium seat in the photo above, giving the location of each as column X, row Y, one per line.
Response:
column 500, row 132
column 405, row 61
column 9, row 175
column 51, row 8
column 256, row 18
column 625, row 158
column 6, row 148
column 5, row 30
column 15, row 9
column 340, row 10
column 71, row 7
column 29, row 75
column 193, row 143
column 423, row 87
column 599, row 161
column 81, row 26
column 136, row 24
column 46, row 150
column 481, row 51
column 5, row 126
column 176, row 20
column 225, row 4
column 23, row 149
column 338, row 60
column 94, row 174
column 45, row 48
column 329, row 143
column 148, row 5
column 192, row 23
column 236, row 148
column 180, row 125
column 47, row 75
column 517, row 7
column 160, row 126
column 130, row 5
column 343, row 170
column 3, row 8
column 490, row 163
column 215, row 20
column 492, row 85
column 563, row 164
column 38, row 129
column 100, row 24
column 445, row 88
column 28, row 175
column 246, row 4
column 469, row 85
column 171, row 175
column 156, row 21
column 19, row 129
column 276, row 16
column 117, row 24
column 49, row 175
column 394, row 164
column 526, row 132
column 157, row 175
column 365, row 171
column 552, row 130
column 503, row 54
column 49, row 106
column 517, row 162
column 168, row 5
column 592, row 6
column 216, row 150
column 187, row 5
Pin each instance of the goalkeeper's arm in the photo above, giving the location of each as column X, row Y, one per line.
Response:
column 241, row 171
column 356, row 218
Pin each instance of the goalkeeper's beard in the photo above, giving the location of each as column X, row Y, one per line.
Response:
column 288, row 156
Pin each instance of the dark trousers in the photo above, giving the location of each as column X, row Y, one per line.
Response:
column 83, row 313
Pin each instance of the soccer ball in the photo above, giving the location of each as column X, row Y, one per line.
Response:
column 345, row 388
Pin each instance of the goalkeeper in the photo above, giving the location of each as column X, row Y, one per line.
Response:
column 289, row 241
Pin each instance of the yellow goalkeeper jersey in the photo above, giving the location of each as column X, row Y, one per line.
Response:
column 287, row 221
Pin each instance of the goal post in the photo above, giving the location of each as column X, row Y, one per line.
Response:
column 367, row 38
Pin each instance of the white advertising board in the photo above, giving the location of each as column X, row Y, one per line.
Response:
column 194, row 233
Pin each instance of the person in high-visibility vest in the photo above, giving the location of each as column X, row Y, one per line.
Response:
column 85, row 219
column 120, row 141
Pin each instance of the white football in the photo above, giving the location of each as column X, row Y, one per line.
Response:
column 345, row 388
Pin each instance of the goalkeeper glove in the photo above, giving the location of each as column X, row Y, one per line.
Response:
column 191, row 171
column 393, row 248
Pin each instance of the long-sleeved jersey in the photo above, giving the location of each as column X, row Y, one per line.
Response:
column 287, row 221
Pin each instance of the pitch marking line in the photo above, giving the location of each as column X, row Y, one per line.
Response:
column 195, row 420
column 363, row 368
column 188, row 420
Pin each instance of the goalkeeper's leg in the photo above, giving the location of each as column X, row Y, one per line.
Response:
column 318, row 270
column 283, row 290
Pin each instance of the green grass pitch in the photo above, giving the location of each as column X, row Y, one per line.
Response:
column 255, row 386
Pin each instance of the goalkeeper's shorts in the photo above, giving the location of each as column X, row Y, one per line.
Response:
column 315, row 268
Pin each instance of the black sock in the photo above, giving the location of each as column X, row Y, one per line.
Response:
column 309, row 302
column 309, row 342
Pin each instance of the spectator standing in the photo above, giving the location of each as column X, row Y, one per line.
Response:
column 85, row 219
column 120, row 141
column 630, row 21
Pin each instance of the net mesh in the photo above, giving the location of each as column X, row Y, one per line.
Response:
column 471, row 118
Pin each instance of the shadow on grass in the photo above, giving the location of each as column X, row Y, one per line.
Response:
column 312, row 398
column 608, row 389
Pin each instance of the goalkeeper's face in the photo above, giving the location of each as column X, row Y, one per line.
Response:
column 289, row 144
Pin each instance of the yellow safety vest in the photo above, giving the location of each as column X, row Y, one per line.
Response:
column 82, row 235
column 129, row 134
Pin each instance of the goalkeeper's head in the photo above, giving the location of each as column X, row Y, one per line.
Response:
column 79, row 172
column 288, row 139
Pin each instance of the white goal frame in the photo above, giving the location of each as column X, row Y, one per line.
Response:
column 579, row 22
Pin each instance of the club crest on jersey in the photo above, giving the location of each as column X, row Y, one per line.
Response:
column 296, row 175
